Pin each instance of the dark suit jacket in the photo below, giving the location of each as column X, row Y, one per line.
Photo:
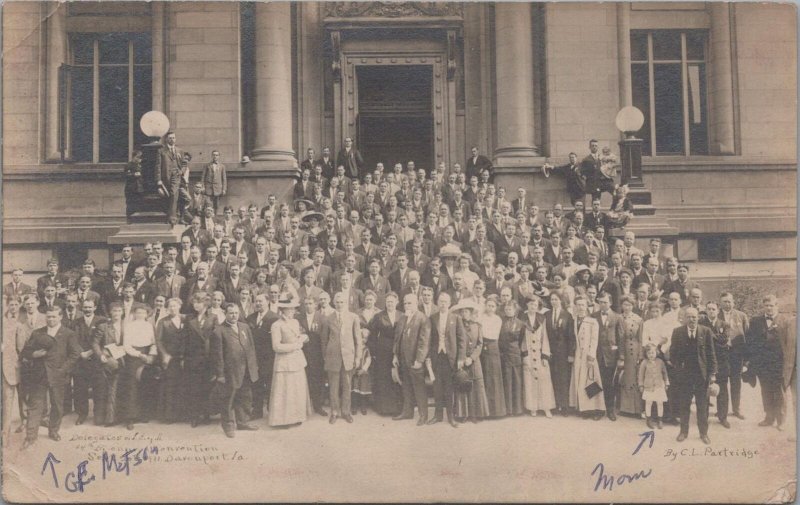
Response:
column 202, row 239
column 62, row 353
column 21, row 290
column 772, row 349
column 477, row 251
column 475, row 168
column 172, row 289
column 233, row 354
column 328, row 168
column 262, row 339
column 60, row 281
column 215, row 184
column 657, row 284
column 561, row 335
column 591, row 223
column 191, row 287
column 609, row 338
column 412, row 340
column 682, row 350
column 455, row 338
column 612, row 287
column 86, row 336
column 352, row 162
column 169, row 166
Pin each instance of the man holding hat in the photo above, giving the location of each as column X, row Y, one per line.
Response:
column 410, row 351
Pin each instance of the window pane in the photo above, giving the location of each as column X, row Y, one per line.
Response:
column 81, row 117
column 698, row 107
column 640, row 81
column 142, row 100
column 666, row 45
column 82, row 50
column 142, row 47
column 114, row 48
column 113, row 114
column 639, row 46
column 669, row 109
column 696, row 45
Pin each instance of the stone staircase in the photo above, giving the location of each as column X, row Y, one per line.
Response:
column 645, row 222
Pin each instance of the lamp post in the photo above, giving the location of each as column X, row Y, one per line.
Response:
column 629, row 121
column 151, row 206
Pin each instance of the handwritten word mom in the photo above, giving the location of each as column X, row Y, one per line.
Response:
column 607, row 481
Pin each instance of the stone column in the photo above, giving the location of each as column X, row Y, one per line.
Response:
column 514, row 84
column 56, row 51
column 721, row 85
column 274, row 85
column 624, row 54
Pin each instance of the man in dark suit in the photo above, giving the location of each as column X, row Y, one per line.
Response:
column 608, row 285
column 260, row 322
column 651, row 277
column 411, row 347
column 170, row 169
column 447, row 353
column 311, row 323
column 695, row 363
column 375, row 282
column 326, row 163
column 561, row 335
column 200, row 282
column 49, row 300
column 596, row 218
column 596, row 181
column 772, row 339
column 478, row 163
column 233, row 357
column 506, row 244
column 52, row 351
column 308, row 163
column 88, row 371
column 197, row 234
column 52, row 278
column 16, row 289
column 576, row 179
column 342, row 342
column 608, row 341
column 434, row 278
column 350, row 159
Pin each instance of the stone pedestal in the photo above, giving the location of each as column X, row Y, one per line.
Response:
column 141, row 233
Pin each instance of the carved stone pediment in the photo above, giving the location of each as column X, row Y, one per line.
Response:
column 392, row 9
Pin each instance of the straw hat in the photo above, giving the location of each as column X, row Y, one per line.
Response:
column 450, row 251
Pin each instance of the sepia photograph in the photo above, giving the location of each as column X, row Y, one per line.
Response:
column 382, row 252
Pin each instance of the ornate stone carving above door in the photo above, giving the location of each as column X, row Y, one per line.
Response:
column 392, row 9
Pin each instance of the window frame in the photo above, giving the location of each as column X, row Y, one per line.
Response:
column 684, row 63
column 131, row 65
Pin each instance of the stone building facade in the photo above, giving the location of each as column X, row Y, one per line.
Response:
column 525, row 83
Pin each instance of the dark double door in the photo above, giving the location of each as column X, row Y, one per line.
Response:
column 395, row 115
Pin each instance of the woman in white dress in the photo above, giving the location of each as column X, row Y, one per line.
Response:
column 585, row 369
column 289, row 401
column 537, row 382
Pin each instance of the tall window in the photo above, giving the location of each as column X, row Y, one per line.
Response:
column 108, row 88
column 668, row 73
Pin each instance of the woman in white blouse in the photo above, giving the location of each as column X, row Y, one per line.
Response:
column 139, row 343
column 491, row 324
column 289, row 401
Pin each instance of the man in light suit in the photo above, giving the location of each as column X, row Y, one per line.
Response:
column 411, row 346
column 215, row 179
column 447, row 354
column 233, row 355
column 695, row 361
column 608, row 342
column 341, row 344
column 739, row 325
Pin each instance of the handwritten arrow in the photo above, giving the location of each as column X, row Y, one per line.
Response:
column 646, row 435
column 51, row 460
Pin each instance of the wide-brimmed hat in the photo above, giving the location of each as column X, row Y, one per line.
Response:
column 626, row 271
column 465, row 304
column 583, row 268
column 462, row 381
column 286, row 303
column 450, row 251
column 309, row 203
column 311, row 215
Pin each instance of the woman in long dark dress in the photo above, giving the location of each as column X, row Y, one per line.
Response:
column 171, row 342
column 197, row 365
column 510, row 341
column 490, row 359
column 561, row 335
column 387, row 397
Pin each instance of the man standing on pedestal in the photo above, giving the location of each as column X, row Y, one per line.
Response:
column 350, row 159
column 477, row 164
column 215, row 179
column 170, row 167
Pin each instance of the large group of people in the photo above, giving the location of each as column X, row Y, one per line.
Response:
column 372, row 286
